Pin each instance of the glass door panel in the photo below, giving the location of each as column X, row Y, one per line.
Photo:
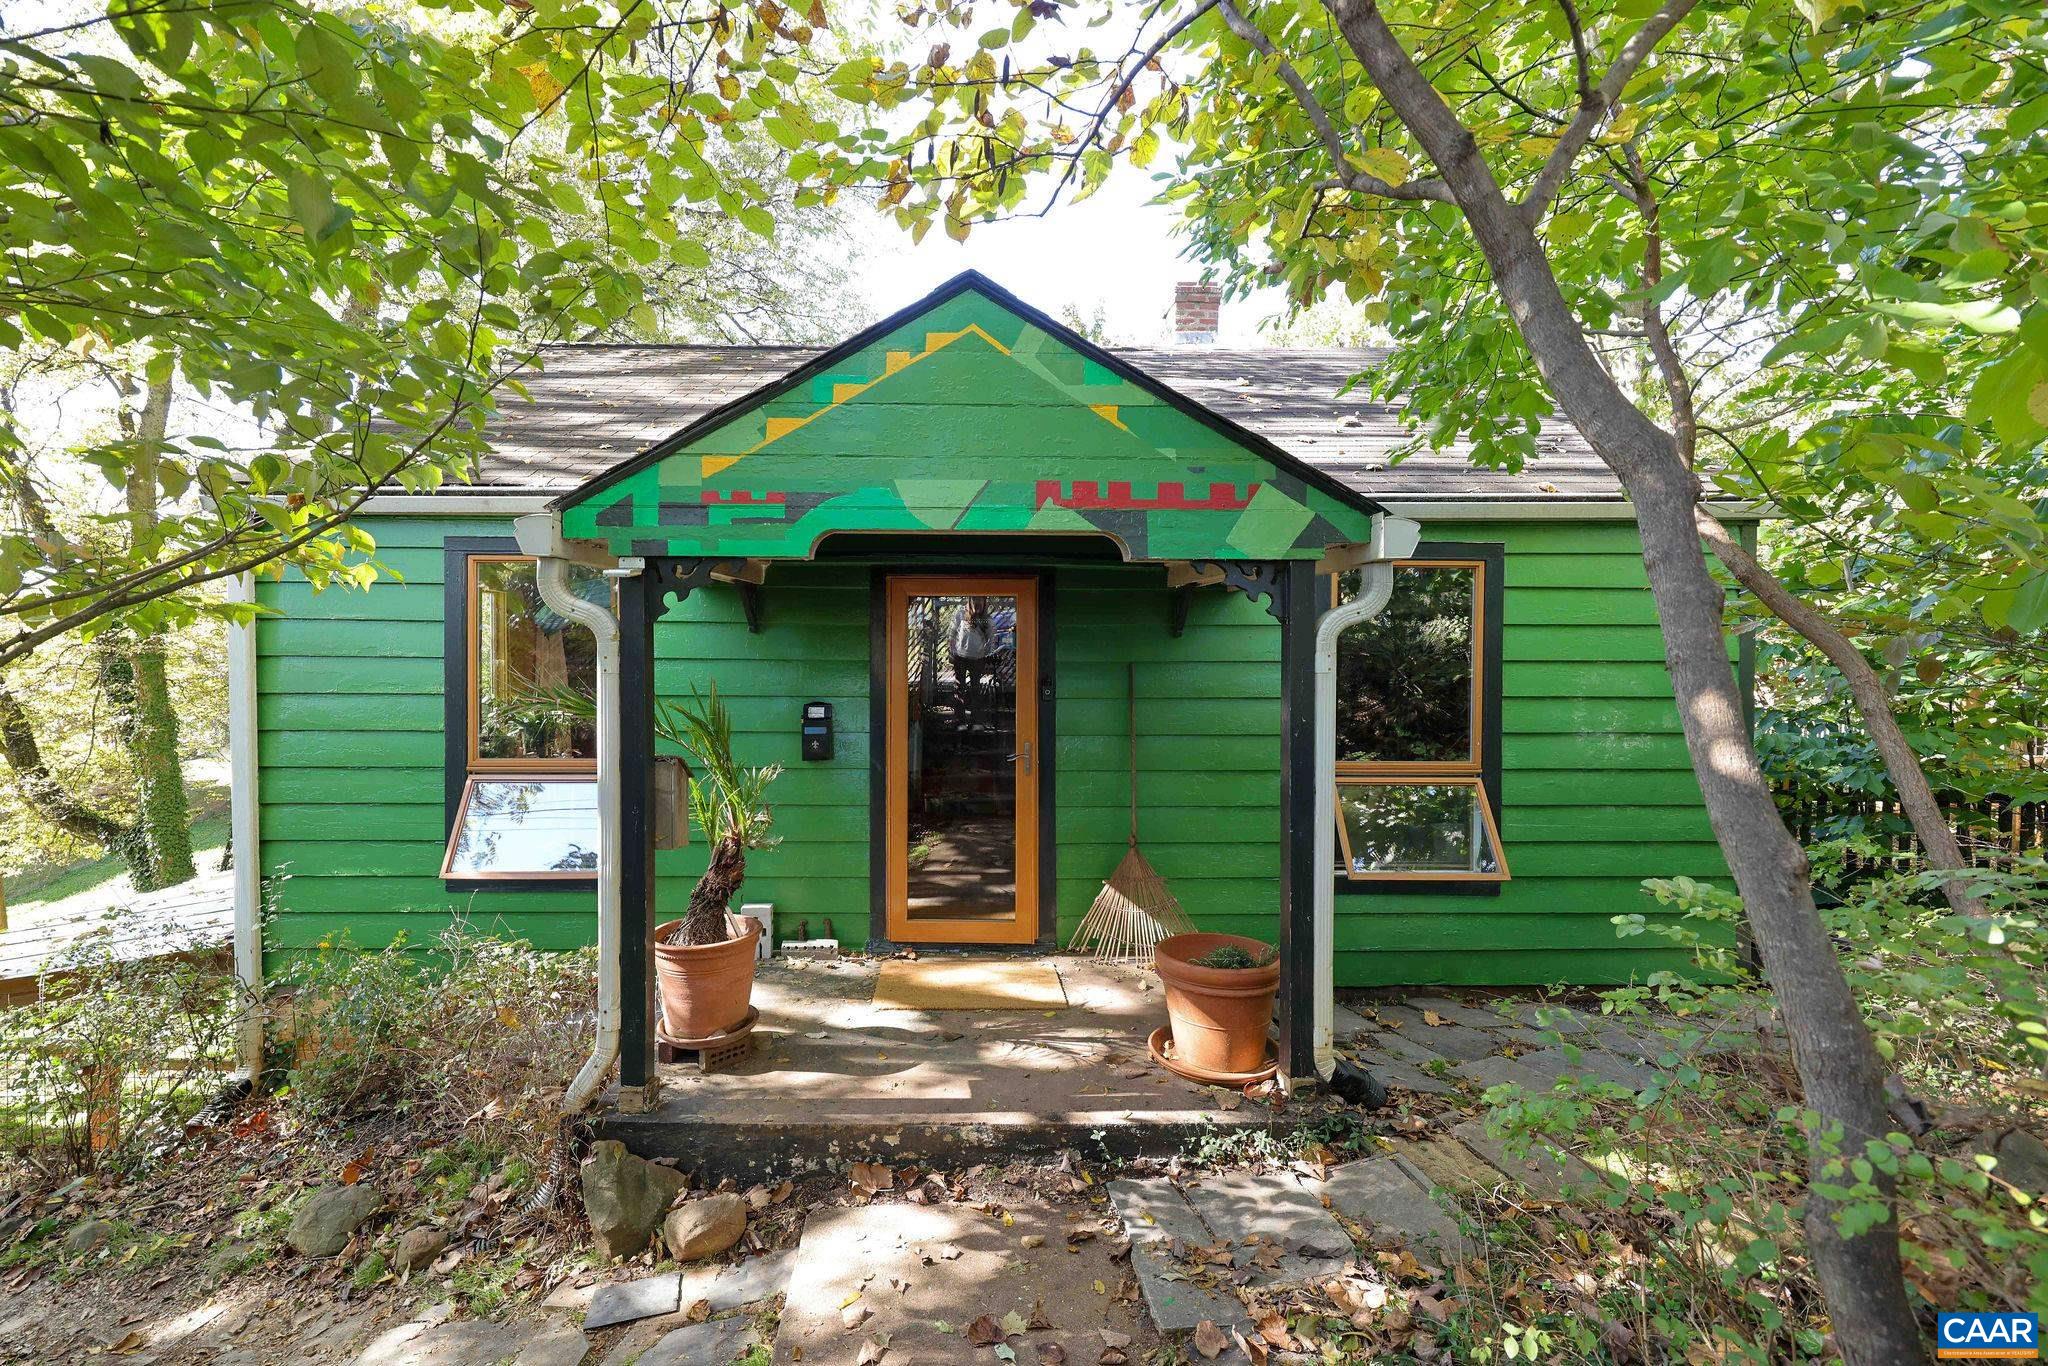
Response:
column 963, row 760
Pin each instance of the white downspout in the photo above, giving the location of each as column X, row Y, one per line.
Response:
column 551, row 574
column 245, row 827
column 1394, row 538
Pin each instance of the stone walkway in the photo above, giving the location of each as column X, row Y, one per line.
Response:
column 907, row 1284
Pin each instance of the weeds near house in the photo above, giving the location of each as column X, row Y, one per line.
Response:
column 468, row 1036
column 111, row 1061
column 1695, row 1244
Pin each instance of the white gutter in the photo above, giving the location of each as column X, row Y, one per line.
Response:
column 501, row 504
column 540, row 536
column 1428, row 509
column 1394, row 538
column 244, row 827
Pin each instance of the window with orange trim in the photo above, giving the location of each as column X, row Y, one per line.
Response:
column 1415, row 798
column 527, row 759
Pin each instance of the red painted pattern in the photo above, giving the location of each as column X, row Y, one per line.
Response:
column 1087, row 495
column 731, row 497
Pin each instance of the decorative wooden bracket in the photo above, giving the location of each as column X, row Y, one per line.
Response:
column 750, row 603
column 1255, row 579
column 681, row 578
column 1177, row 602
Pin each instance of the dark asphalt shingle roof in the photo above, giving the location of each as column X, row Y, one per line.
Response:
column 593, row 407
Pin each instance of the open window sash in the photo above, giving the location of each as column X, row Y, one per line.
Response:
column 1418, row 828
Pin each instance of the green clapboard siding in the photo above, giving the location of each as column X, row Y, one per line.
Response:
column 1598, row 793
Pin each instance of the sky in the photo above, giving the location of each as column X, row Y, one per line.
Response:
column 1113, row 249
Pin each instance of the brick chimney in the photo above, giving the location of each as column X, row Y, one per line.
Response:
column 1196, row 307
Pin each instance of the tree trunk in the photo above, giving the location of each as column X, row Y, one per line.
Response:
column 1861, row 1276
column 1873, row 700
column 46, row 795
column 704, row 922
column 163, row 814
column 1873, row 703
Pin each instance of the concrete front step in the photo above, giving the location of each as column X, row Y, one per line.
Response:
column 716, row 1146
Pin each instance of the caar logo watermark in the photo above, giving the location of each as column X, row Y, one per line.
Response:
column 2007, row 1337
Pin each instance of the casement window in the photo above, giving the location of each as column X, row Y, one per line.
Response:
column 1418, row 726
column 521, row 744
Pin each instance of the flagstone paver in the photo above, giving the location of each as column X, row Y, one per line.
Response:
column 716, row 1343
column 1394, row 1206
column 1449, row 1165
column 624, row 1301
column 1158, row 1217
column 1546, row 1171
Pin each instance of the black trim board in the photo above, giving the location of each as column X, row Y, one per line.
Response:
column 1047, row 939
column 975, row 282
column 1493, row 555
column 455, row 553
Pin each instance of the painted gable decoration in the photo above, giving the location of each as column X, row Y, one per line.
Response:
column 969, row 412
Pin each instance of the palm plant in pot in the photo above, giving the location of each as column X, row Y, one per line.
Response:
column 1219, row 1000
column 704, row 962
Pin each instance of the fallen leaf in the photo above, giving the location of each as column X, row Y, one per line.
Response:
column 1273, row 1328
column 872, row 1178
column 872, row 1351
column 1430, row 1017
column 1254, row 1349
column 1112, row 1356
column 1209, row 1340
column 854, row 1315
column 1051, row 1354
column 1032, row 1240
column 1014, row 1324
column 130, row 1341
column 1039, row 1321
column 983, row 1332
column 698, row 1312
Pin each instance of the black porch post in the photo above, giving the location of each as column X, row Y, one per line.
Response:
column 639, row 608
column 1298, row 613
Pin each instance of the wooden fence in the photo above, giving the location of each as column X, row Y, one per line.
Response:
column 1992, row 831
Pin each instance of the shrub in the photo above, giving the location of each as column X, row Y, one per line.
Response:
column 470, row 1035
column 1705, row 1166
column 111, row 1060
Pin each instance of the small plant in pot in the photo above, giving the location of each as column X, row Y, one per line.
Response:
column 1219, row 1000
column 704, row 962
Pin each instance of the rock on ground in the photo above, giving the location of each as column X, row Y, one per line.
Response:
column 706, row 1227
column 418, row 1247
column 87, row 1235
column 625, row 1197
column 324, row 1220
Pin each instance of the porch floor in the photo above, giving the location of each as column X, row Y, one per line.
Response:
column 834, row 1076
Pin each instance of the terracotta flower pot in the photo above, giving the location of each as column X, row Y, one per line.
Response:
column 705, row 989
column 1218, row 1015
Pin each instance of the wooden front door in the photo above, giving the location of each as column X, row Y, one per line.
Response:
column 964, row 759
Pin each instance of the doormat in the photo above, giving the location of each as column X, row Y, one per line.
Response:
column 965, row 984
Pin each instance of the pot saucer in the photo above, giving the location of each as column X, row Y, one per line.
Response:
column 1160, row 1046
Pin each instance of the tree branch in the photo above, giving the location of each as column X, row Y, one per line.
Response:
column 1347, row 176
column 1596, row 104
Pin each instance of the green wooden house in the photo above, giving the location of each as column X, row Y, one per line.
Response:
column 936, row 572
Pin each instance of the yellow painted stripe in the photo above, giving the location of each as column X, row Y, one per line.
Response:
column 1107, row 412
column 892, row 362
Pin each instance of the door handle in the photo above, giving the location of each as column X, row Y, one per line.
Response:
column 1023, row 754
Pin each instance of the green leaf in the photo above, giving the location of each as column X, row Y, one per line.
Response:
column 312, row 203
column 2028, row 611
column 327, row 63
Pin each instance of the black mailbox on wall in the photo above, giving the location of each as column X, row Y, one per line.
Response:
column 817, row 731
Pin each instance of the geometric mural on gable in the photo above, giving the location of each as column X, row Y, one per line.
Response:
column 964, row 416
